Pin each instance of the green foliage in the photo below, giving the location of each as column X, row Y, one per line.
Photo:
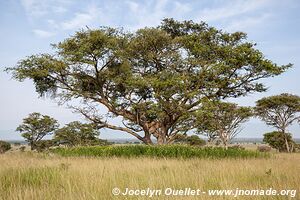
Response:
column 276, row 140
column 192, row 140
column 160, row 151
column 154, row 78
column 44, row 145
column 4, row 146
column 78, row 134
column 35, row 127
column 221, row 120
column 279, row 111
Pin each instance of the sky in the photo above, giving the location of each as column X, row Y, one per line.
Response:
column 30, row 26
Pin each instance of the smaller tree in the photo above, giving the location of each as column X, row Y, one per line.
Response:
column 35, row 127
column 279, row 111
column 277, row 140
column 221, row 119
column 77, row 133
column 4, row 146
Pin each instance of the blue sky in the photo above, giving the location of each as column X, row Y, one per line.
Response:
column 30, row 26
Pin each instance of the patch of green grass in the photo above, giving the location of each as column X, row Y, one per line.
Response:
column 163, row 151
column 29, row 177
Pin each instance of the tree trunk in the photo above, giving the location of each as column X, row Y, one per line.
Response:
column 32, row 145
column 286, row 141
column 147, row 139
column 224, row 138
column 161, row 139
column 287, row 144
column 225, row 144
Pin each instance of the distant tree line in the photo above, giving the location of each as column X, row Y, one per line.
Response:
column 218, row 121
column 36, row 126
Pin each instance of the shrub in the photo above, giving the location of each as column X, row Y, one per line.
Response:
column 43, row 145
column 164, row 151
column 276, row 140
column 194, row 140
column 22, row 148
column 297, row 147
column 264, row 148
column 4, row 146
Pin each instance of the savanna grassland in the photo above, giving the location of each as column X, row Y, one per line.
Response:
column 34, row 176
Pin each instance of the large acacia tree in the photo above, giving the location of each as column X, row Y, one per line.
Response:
column 154, row 78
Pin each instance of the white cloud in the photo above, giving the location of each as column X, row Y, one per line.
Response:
column 247, row 23
column 59, row 9
column 131, row 14
column 232, row 9
column 133, row 6
column 33, row 7
column 82, row 19
column 150, row 13
column 53, row 24
column 38, row 8
column 43, row 33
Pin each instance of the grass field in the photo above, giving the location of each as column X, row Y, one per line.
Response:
column 33, row 176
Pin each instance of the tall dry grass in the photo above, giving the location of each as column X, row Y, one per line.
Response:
column 42, row 177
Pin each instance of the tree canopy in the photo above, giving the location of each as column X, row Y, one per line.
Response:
column 279, row 111
column 78, row 134
column 154, row 78
column 35, row 127
column 221, row 119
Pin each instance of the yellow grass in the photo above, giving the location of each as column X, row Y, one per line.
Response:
column 41, row 177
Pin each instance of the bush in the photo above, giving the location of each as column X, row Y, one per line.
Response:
column 276, row 140
column 44, row 145
column 4, row 146
column 264, row 148
column 192, row 140
column 164, row 151
column 22, row 148
column 297, row 147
